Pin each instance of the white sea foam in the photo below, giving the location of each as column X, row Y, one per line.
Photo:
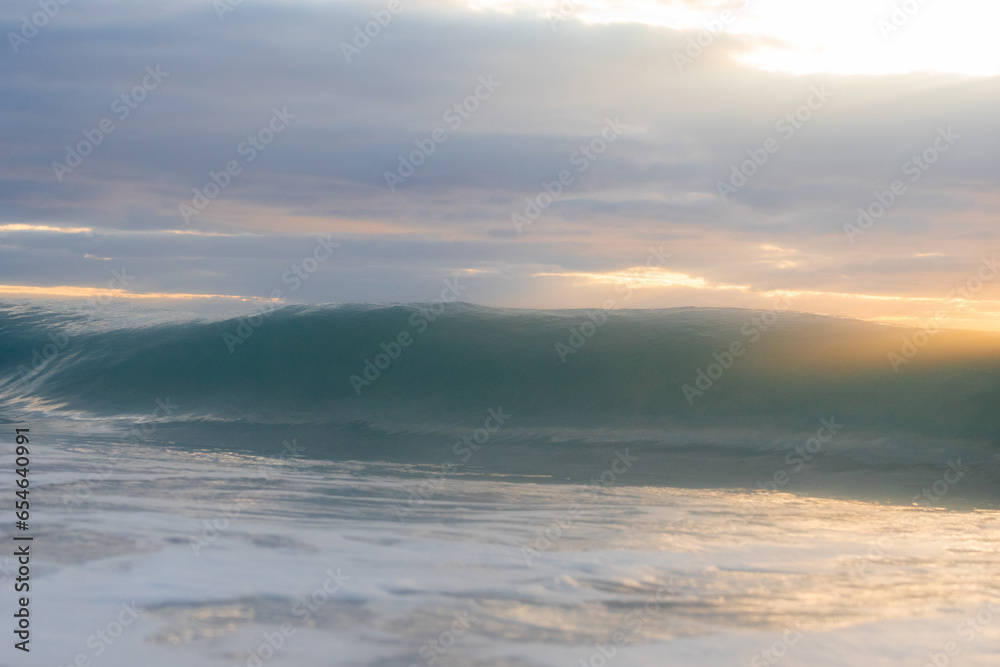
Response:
column 496, row 572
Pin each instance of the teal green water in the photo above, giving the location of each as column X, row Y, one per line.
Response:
column 719, row 396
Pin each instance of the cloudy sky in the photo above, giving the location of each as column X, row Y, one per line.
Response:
column 569, row 154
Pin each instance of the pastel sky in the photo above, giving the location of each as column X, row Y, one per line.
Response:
column 568, row 154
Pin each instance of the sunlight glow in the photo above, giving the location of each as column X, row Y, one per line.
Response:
column 44, row 228
column 850, row 37
column 20, row 227
column 644, row 276
column 954, row 311
column 93, row 292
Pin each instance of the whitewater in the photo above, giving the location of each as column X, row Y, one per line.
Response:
column 481, row 499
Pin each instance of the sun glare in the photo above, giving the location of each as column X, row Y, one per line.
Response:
column 849, row 37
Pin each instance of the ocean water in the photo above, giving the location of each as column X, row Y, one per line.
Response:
column 402, row 485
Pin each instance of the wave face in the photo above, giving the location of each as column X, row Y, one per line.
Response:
column 385, row 379
column 319, row 364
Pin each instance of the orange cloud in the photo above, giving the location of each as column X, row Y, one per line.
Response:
column 93, row 292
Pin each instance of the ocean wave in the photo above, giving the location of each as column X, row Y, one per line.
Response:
column 422, row 367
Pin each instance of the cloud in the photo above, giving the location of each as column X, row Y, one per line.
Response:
column 658, row 183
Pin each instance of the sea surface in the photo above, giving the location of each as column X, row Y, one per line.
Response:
column 446, row 485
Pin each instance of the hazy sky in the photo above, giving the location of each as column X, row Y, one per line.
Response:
column 539, row 153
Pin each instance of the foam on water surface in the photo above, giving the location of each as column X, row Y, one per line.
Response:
column 219, row 550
